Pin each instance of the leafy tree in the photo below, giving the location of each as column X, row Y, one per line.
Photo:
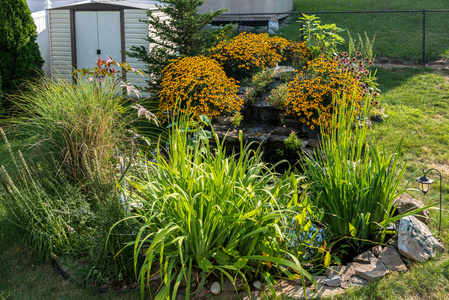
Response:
column 20, row 58
column 183, row 33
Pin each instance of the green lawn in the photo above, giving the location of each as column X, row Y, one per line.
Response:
column 398, row 35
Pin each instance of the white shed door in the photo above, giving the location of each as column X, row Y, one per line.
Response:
column 97, row 32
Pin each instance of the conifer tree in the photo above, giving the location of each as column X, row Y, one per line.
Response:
column 20, row 58
column 183, row 33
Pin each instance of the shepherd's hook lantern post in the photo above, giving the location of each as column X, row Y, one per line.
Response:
column 424, row 183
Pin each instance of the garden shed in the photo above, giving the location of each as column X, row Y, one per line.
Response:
column 83, row 32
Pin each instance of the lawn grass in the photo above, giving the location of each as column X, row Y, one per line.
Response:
column 21, row 277
column 398, row 35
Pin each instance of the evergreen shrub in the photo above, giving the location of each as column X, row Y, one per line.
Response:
column 20, row 56
column 181, row 32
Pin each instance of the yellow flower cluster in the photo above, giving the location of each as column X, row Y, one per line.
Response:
column 313, row 88
column 248, row 53
column 198, row 85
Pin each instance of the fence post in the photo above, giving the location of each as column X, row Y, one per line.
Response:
column 423, row 38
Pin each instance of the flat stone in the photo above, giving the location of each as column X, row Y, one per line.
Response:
column 334, row 281
column 281, row 130
column 221, row 127
column 224, row 120
column 319, row 279
column 364, row 258
column 275, row 138
column 320, row 291
column 313, row 135
column 257, row 284
column 406, row 203
column 392, row 259
column 230, row 137
column 293, row 123
column 415, row 241
column 354, row 281
column 315, row 143
column 369, row 272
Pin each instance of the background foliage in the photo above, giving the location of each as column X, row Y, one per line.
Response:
column 20, row 58
column 182, row 34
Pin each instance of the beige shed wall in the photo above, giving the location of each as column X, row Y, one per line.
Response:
column 60, row 41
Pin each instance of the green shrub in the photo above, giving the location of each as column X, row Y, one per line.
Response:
column 233, row 220
column 293, row 142
column 278, row 96
column 19, row 52
column 354, row 181
column 262, row 80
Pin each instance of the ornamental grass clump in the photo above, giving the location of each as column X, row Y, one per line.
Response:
column 198, row 85
column 311, row 93
column 353, row 180
column 80, row 126
column 205, row 211
column 249, row 53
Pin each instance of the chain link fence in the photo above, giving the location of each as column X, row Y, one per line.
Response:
column 407, row 37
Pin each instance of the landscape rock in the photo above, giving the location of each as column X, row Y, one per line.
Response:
column 224, row 120
column 215, row 288
column 376, row 250
column 369, row 272
column 334, row 281
column 276, row 138
column 221, row 127
column 353, row 281
column 231, row 136
column 293, row 123
column 415, row 241
column 314, row 143
column 281, row 130
column 392, row 260
column 365, row 257
column 321, row 291
column 257, row 284
column 406, row 203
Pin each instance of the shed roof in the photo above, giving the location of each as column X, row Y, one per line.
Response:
column 139, row 4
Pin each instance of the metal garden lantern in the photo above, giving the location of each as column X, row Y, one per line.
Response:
column 424, row 183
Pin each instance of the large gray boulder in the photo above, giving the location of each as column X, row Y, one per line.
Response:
column 415, row 241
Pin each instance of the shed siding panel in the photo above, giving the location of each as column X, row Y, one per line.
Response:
column 60, row 39
column 135, row 34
